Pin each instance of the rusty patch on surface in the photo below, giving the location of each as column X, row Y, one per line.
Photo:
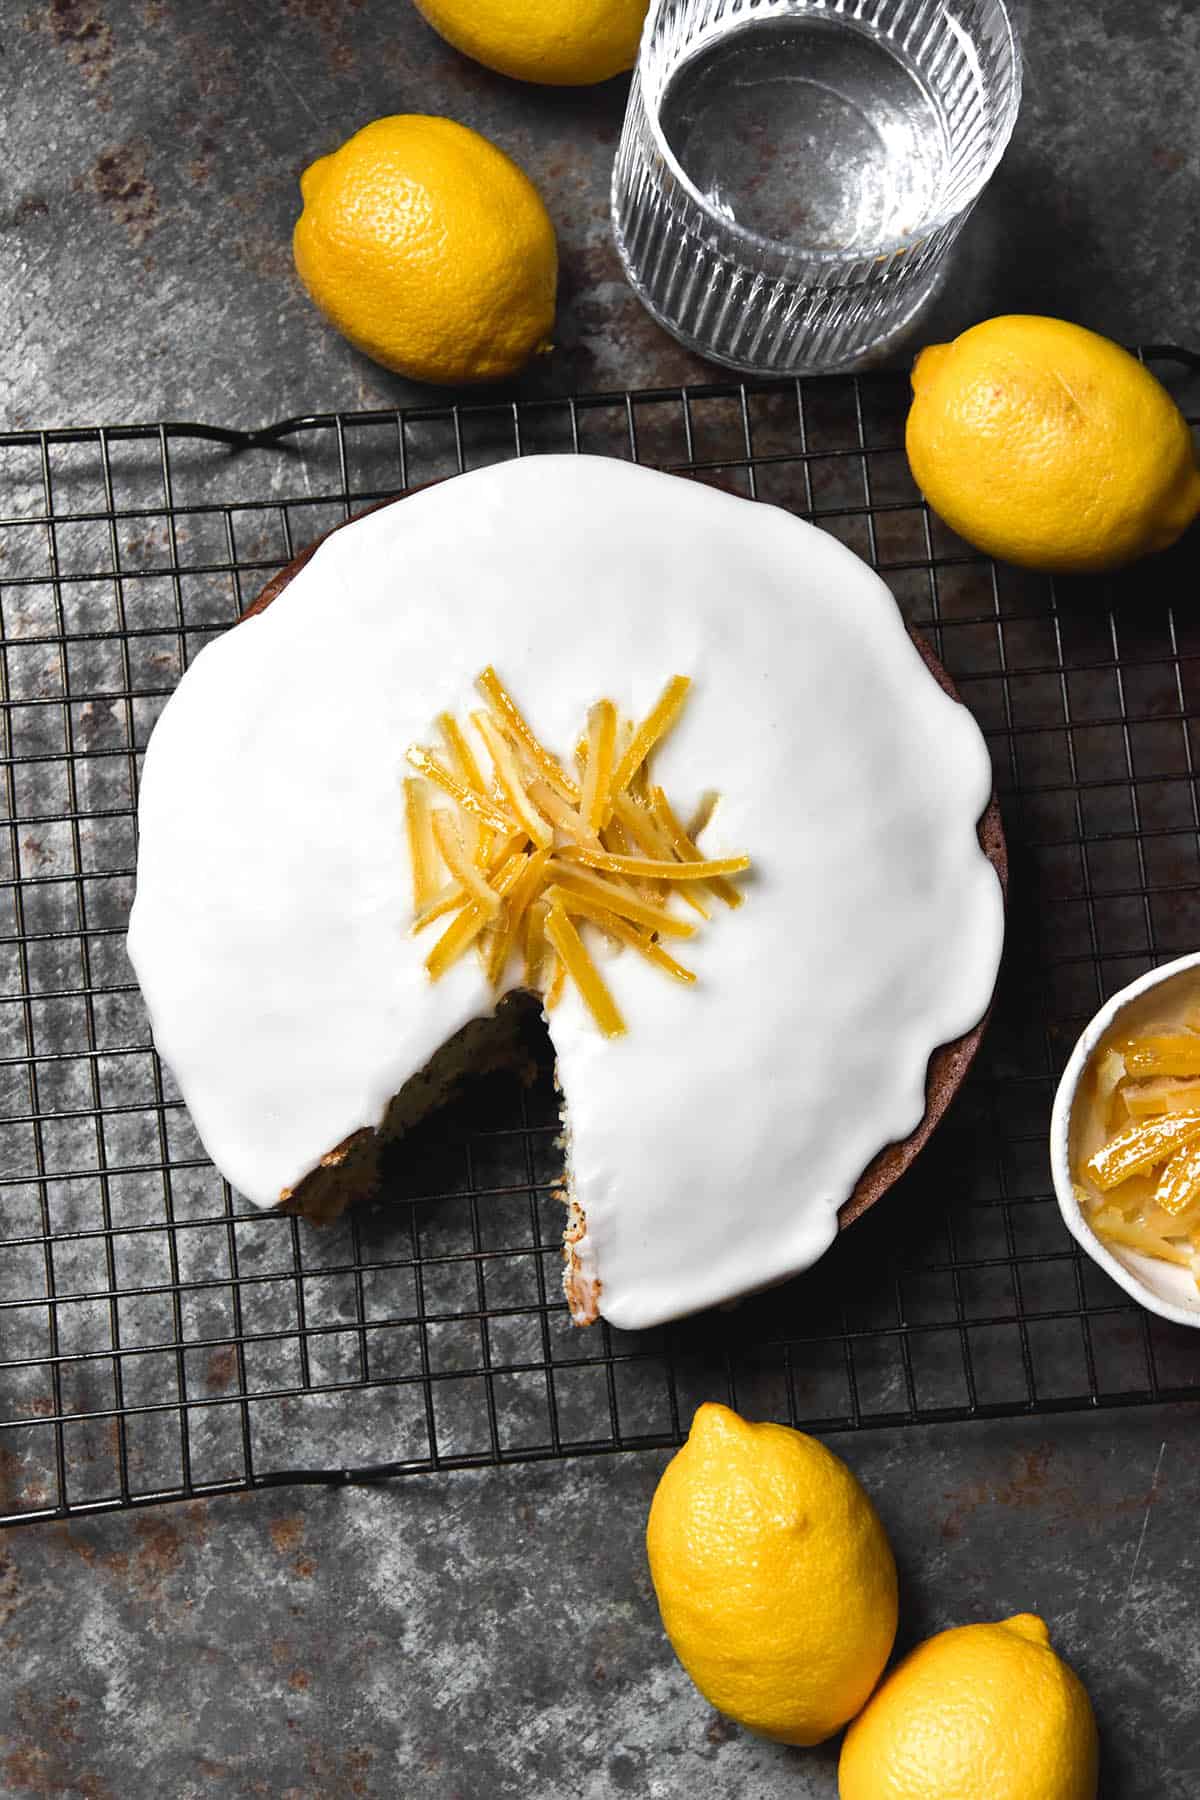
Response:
column 30, row 206
column 29, row 1769
column 1030, row 1487
column 329, row 18
column 339, row 1772
column 40, row 1760
column 222, row 1364
column 207, row 143
column 1027, row 1488
column 35, row 852
column 92, row 719
column 212, row 65
column 80, row 28
column 119, row 178
column 115, row 1561
column 328, row 14
column 598, row 264
column 1169, row 161
column 10, row 1586
column 264, row 256
column 286, row 1533
column 20, row 1488
column 40, row 1406
column 51, row 1719
column 160, row 1553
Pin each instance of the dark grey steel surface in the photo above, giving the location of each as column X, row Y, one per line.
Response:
column 152, row 149
column 494, row 1634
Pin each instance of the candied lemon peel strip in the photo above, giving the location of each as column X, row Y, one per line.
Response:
column 655, row 725
column 461, row 754
column 526, row 859
column 574, row 958
column 422, row 851
column 512, row 721
column 523, row 810
column 527, row 886
column 614, row 926
column 682, row 842
column 1112, row 1225
column 1141, row 1189
column 605, row 892
column 1140, row 1146
column 1169, row 1053
column 1179, row 1182
column 479, row 807
column 651, row 869
column 470, row 922
column 458, row 861
column 598, row 775
column 1144, row 1099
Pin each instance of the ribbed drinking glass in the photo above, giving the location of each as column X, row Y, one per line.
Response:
column 792, row 173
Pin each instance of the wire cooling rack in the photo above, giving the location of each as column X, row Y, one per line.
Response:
column 160, row 1339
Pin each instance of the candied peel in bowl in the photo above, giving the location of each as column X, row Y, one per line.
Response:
column 1139, row 1187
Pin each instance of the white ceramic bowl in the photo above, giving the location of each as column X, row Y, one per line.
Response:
column 1161, row 1287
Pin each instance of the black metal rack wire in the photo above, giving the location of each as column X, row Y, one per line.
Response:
column 159, row 1339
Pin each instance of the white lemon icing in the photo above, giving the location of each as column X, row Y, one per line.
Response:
column 712, row 1146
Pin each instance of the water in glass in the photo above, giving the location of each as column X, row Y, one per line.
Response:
column 792, row 172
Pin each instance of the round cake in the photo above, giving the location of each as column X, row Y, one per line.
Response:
column 710, row 1146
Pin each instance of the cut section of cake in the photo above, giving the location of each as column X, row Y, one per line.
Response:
column 291, row 840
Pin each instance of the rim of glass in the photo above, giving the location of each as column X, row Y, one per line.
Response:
column 781, row 247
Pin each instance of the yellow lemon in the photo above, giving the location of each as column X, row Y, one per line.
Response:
column 567, row 43
column 985, row 1712
column 774, row 1576
column 1047, row 445
column 429, row 250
